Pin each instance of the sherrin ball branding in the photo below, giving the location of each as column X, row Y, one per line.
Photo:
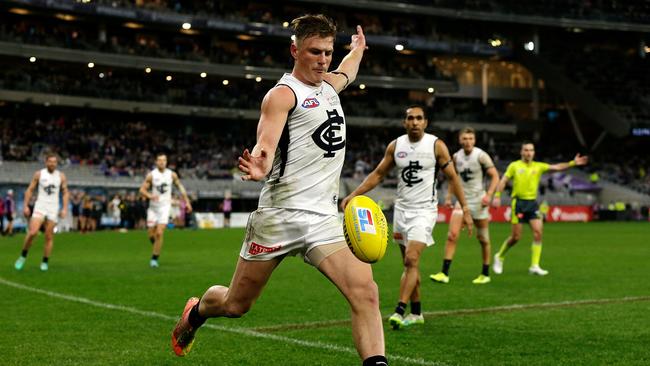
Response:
column 365, row 229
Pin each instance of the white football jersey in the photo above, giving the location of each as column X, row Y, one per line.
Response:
column 161, row 185
column 49, row 186
column 311, row 151
column 471, row 169
column 416, row 173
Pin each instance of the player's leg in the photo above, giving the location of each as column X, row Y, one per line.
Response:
column 49, row 243
column 151, row 233
column 34, row 226
column 416, row 308
column 515, row 235
column 483, row 236
column 159, row 231
column 246, row 285
column 455, row 224
column 536, row 226
column 409, row 283
column 354, row 279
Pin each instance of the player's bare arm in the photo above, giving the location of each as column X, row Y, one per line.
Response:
column 493, row 174
column 579, row 160
column 276, row 105
column 445, row 162
column 29, row 192
column 450, row 190
column 376, row 176
column 347, row 71
column 66, row 196
column 181, row 189
column 146, row 186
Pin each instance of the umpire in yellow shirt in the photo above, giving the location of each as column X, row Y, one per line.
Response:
column 525, row 175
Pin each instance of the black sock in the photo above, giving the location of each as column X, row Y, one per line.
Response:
column 401, row 308
column 195, row 319
column 24, row 253
column 155, row 257
column 46, row 259
column 416, row 307
column 486, row 270
column 445, row 266
column 152, row 239
column 375, row 361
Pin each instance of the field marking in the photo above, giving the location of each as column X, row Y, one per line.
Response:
column 460, row 312
column 240, row 331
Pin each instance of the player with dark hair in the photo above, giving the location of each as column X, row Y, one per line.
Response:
column 417, row 156
column 157, row 188
column 525, row 175
column 472, row 164
column 50, row 182
column 300, row 152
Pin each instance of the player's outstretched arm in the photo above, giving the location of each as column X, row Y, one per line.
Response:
column 275, row 109
column 579, row 160
column 29, row 192
column 347, row 71
column 66, row 196
column 444, row 161
column 181, row 189
column 376, row 176
column 145, row 186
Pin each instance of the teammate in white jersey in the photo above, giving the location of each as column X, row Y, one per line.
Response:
column 300, row 151
column 50, row 183
column 416, row 155
column 157, row 188
column 472, row 164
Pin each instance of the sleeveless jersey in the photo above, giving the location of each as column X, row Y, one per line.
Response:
column 416, row 173
column 310, row 154
column 471, row 169
column 161, row 184
column 49, row 186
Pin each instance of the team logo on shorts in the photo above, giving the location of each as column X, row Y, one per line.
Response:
column 402, row 154
column 365, row 220
column 310, row 103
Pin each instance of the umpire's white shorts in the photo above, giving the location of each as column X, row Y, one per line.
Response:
column 414, row 225
column 158, row 215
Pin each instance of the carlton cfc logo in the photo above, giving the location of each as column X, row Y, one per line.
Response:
column 310, row 103
column 365, row 220
column 328, row 136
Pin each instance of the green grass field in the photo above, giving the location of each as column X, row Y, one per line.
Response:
column 100, row 303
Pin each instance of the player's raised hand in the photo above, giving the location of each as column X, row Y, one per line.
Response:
column 358, row 40
column 253, row 167
column 581, row 159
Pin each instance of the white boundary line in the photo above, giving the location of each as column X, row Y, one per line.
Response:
column 235, row 330
column 460, row 312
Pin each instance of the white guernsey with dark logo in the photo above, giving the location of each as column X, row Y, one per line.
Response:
column 161, row 185
column 311, row 151
column 49, row 186
column 416, row 173
column 471, row 168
